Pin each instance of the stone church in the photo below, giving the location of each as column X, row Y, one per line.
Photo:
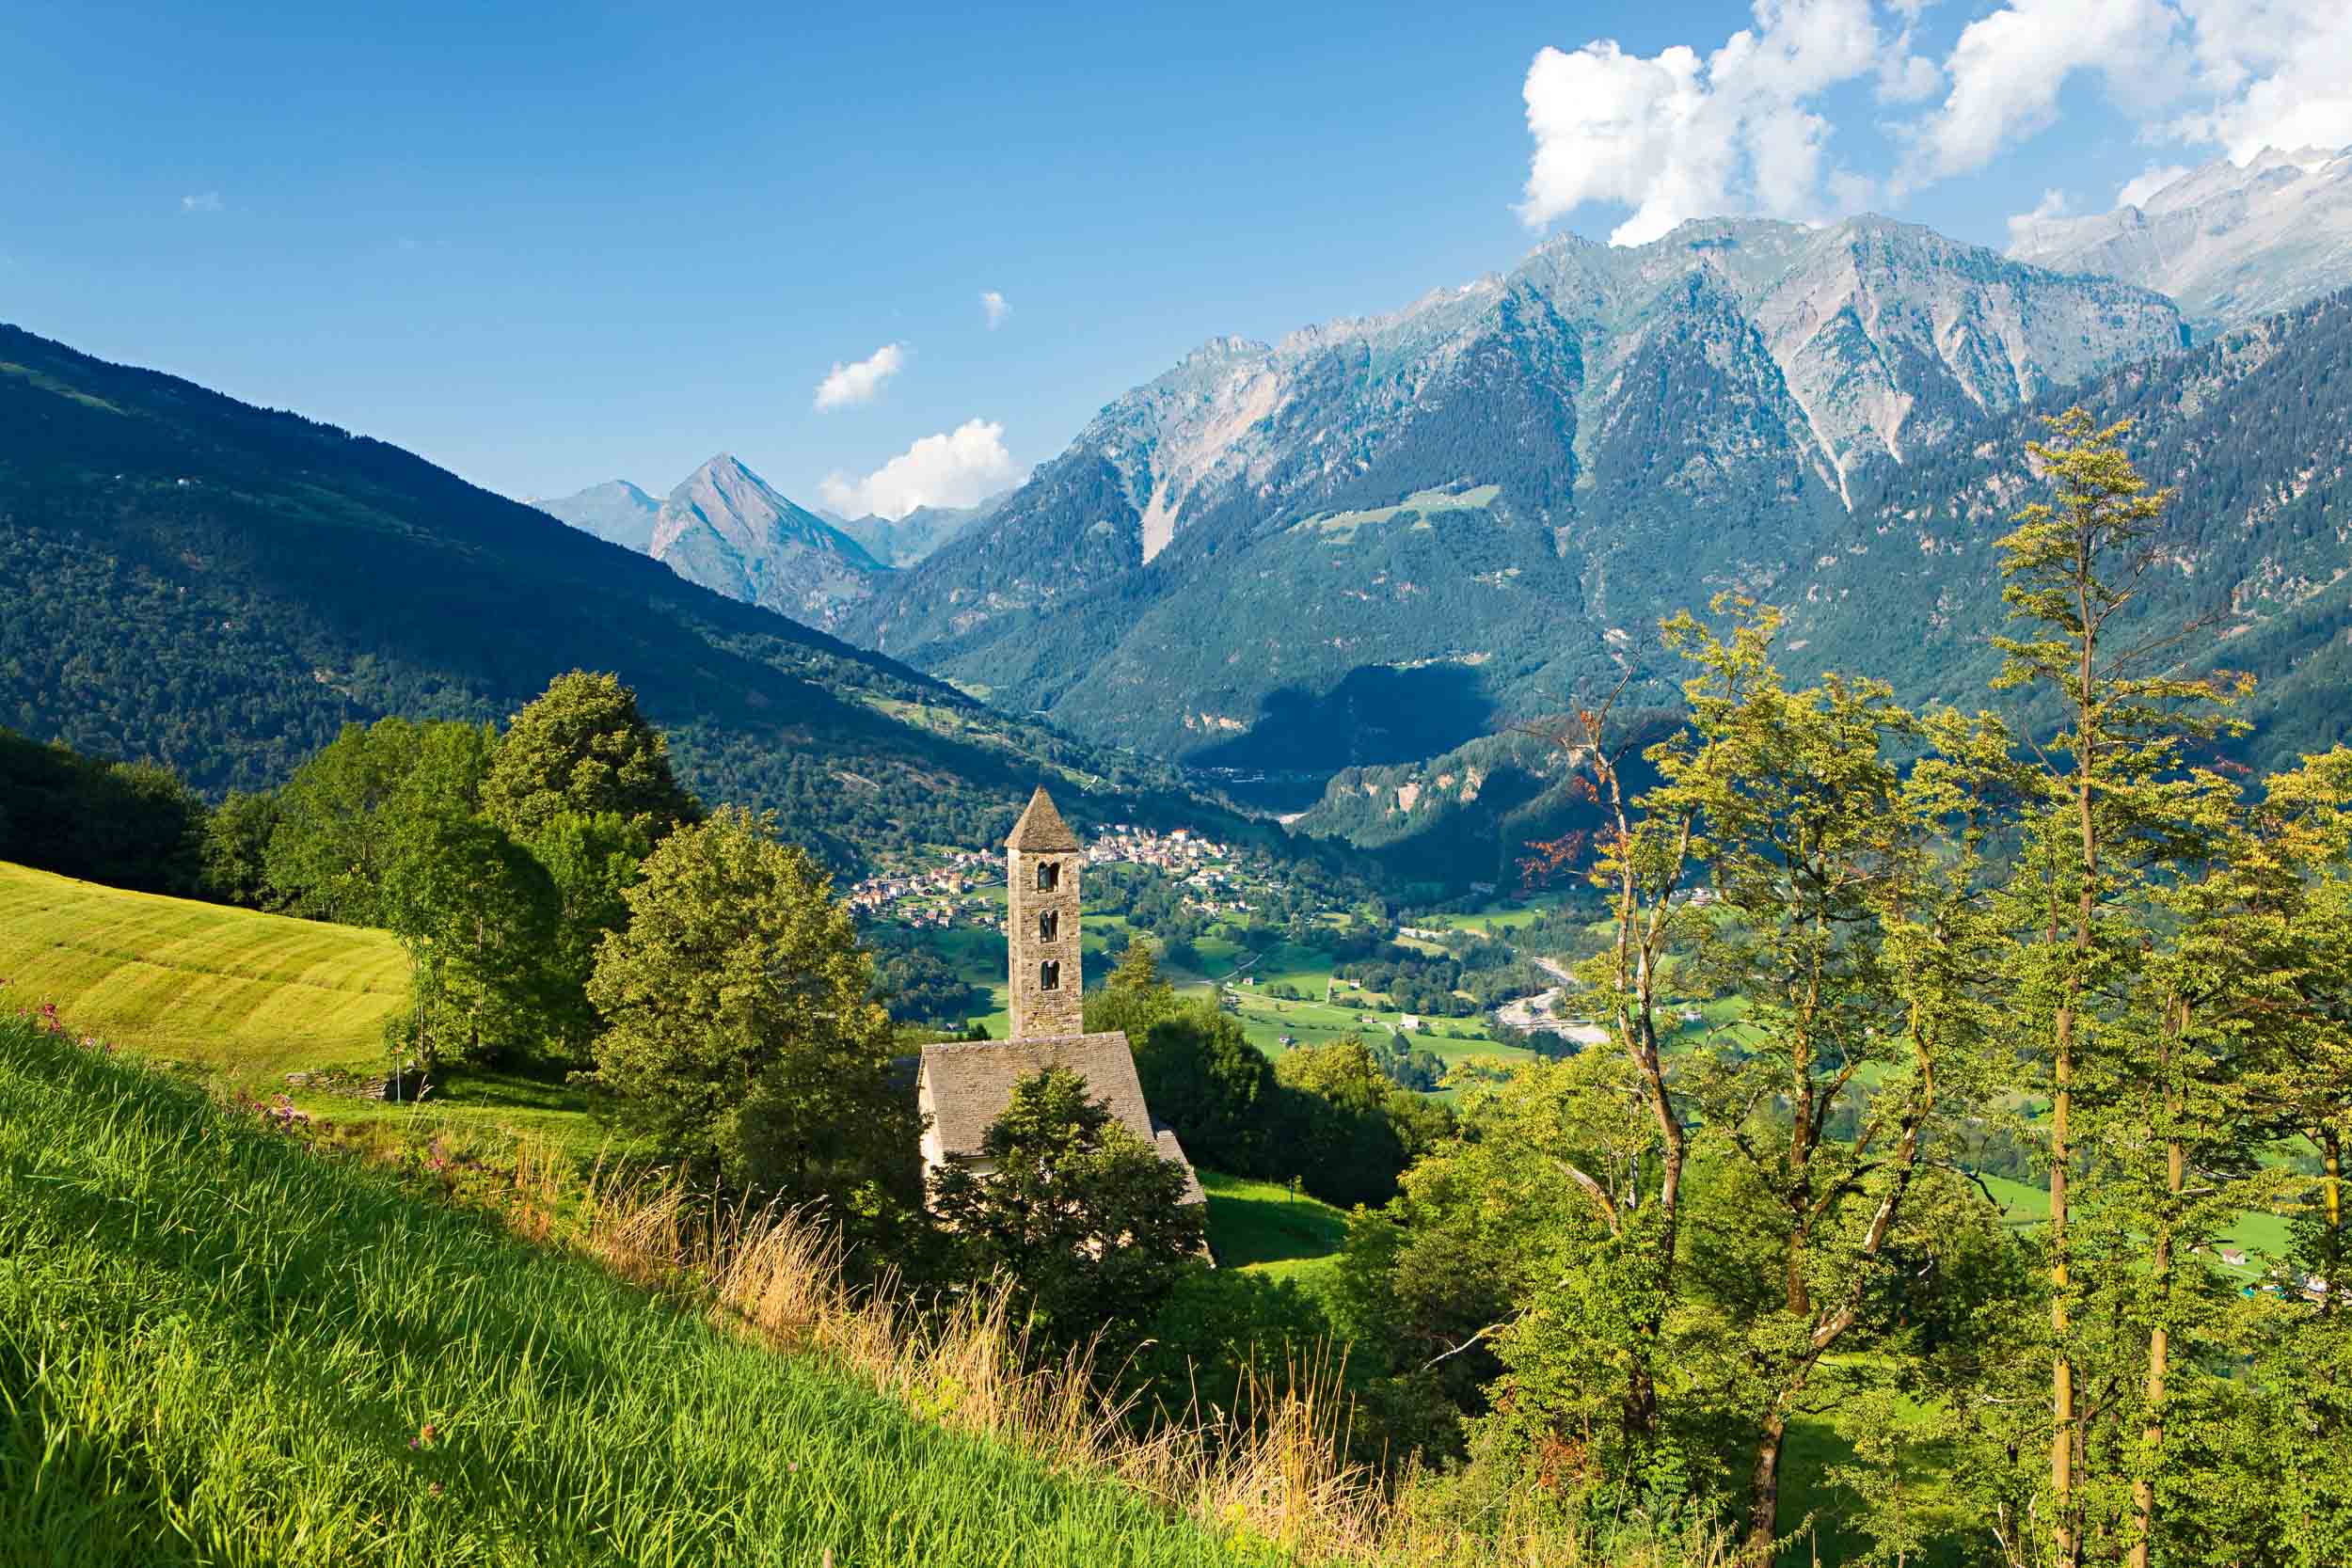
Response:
column 964, row 1086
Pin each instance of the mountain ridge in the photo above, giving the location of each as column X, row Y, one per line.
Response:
column 2231, row 244
column 1499, row 479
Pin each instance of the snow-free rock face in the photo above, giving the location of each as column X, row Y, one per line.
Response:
column 1500, row 480
column 615, row 512
column 724, row 529
column 2228, row 244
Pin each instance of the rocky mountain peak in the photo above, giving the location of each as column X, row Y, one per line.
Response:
column 2230, row 242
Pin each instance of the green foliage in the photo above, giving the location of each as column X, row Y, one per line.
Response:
column 738, row 1026
column 581, row 749
column 592, row 862
column 918, row 985
column 236, row 849
column 340, row 819
column 127, row 824
column 479, row 916
column 1203, row 1077
column 1083, row 1215
column 1345, row 1128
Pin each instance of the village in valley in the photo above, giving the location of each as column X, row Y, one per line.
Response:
column 1299, row 968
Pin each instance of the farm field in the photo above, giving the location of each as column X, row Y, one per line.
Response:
column 2253, row 1230
column 248, row 995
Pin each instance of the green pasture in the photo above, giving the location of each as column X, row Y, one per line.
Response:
column 249, row 995
column 1265, row 1227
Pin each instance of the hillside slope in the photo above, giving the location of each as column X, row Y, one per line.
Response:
column 250, row 994
column 217, row 1346
column 190, row 579
column 1361, row 544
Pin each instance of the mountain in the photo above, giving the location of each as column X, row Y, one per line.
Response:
column 2252, row 430
column 191, row 580
column 616, row 511
column 2228, row 244
column 904, row 541
column 726, row 530
column 1377, row 539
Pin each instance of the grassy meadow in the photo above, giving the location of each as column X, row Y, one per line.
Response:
column 249, row 995
column 1265, row 1227
column 219, row 1346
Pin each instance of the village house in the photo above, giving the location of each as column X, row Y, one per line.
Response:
column 962, row 1087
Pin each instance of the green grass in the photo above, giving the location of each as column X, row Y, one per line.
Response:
column 1261, row 1226
column 215, row 1346
column 251, row 995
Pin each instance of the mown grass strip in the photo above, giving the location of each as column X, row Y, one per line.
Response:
column 250, row 995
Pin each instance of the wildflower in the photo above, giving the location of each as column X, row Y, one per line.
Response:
column 434, row 1490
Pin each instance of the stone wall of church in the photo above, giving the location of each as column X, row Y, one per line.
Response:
column 1041, row 935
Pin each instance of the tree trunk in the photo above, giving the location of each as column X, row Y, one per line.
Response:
column 1764, row 1490
column 2331, row 1202
column 2159, row 1335
column 2063, row 1435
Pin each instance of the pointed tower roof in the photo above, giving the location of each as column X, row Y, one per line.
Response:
column 1041, row 828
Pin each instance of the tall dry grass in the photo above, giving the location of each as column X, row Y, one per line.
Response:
column 1273, row 1471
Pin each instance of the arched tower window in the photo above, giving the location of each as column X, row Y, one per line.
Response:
column 1049, row 924
column 1049, row 975
column 1048, row 876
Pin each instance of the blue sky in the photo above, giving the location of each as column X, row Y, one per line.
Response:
column 551, row 244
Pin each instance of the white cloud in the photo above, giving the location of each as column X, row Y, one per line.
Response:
column 958, row 469
column 2022, row 225
column 1675, row 136
column 994, row 303
column 2148, row 183
column 1908, row 78
column 2007, row 67
column 201, row 201
column 2269, row 73
column 2240, row 74
column 845, row 384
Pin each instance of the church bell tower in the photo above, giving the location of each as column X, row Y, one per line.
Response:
column 1041, row 863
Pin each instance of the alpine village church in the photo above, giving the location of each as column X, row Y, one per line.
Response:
column 964, row 1086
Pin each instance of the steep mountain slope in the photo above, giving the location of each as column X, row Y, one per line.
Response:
column 2229, row 244
column 725, row 529
column 189, row 579
column 1363, row 543
column 615, row 512
column 2254, row 432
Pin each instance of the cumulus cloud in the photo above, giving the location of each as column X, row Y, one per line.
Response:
column 845, row 385
column 2147, row 182
column 994, row 305
column 1675, row 136
column 2236, row 74
column 2022, row 225
column 1683, row 133
column 958, row 469
column 201, row 201
column 2007, row 67
column 2268, row 74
